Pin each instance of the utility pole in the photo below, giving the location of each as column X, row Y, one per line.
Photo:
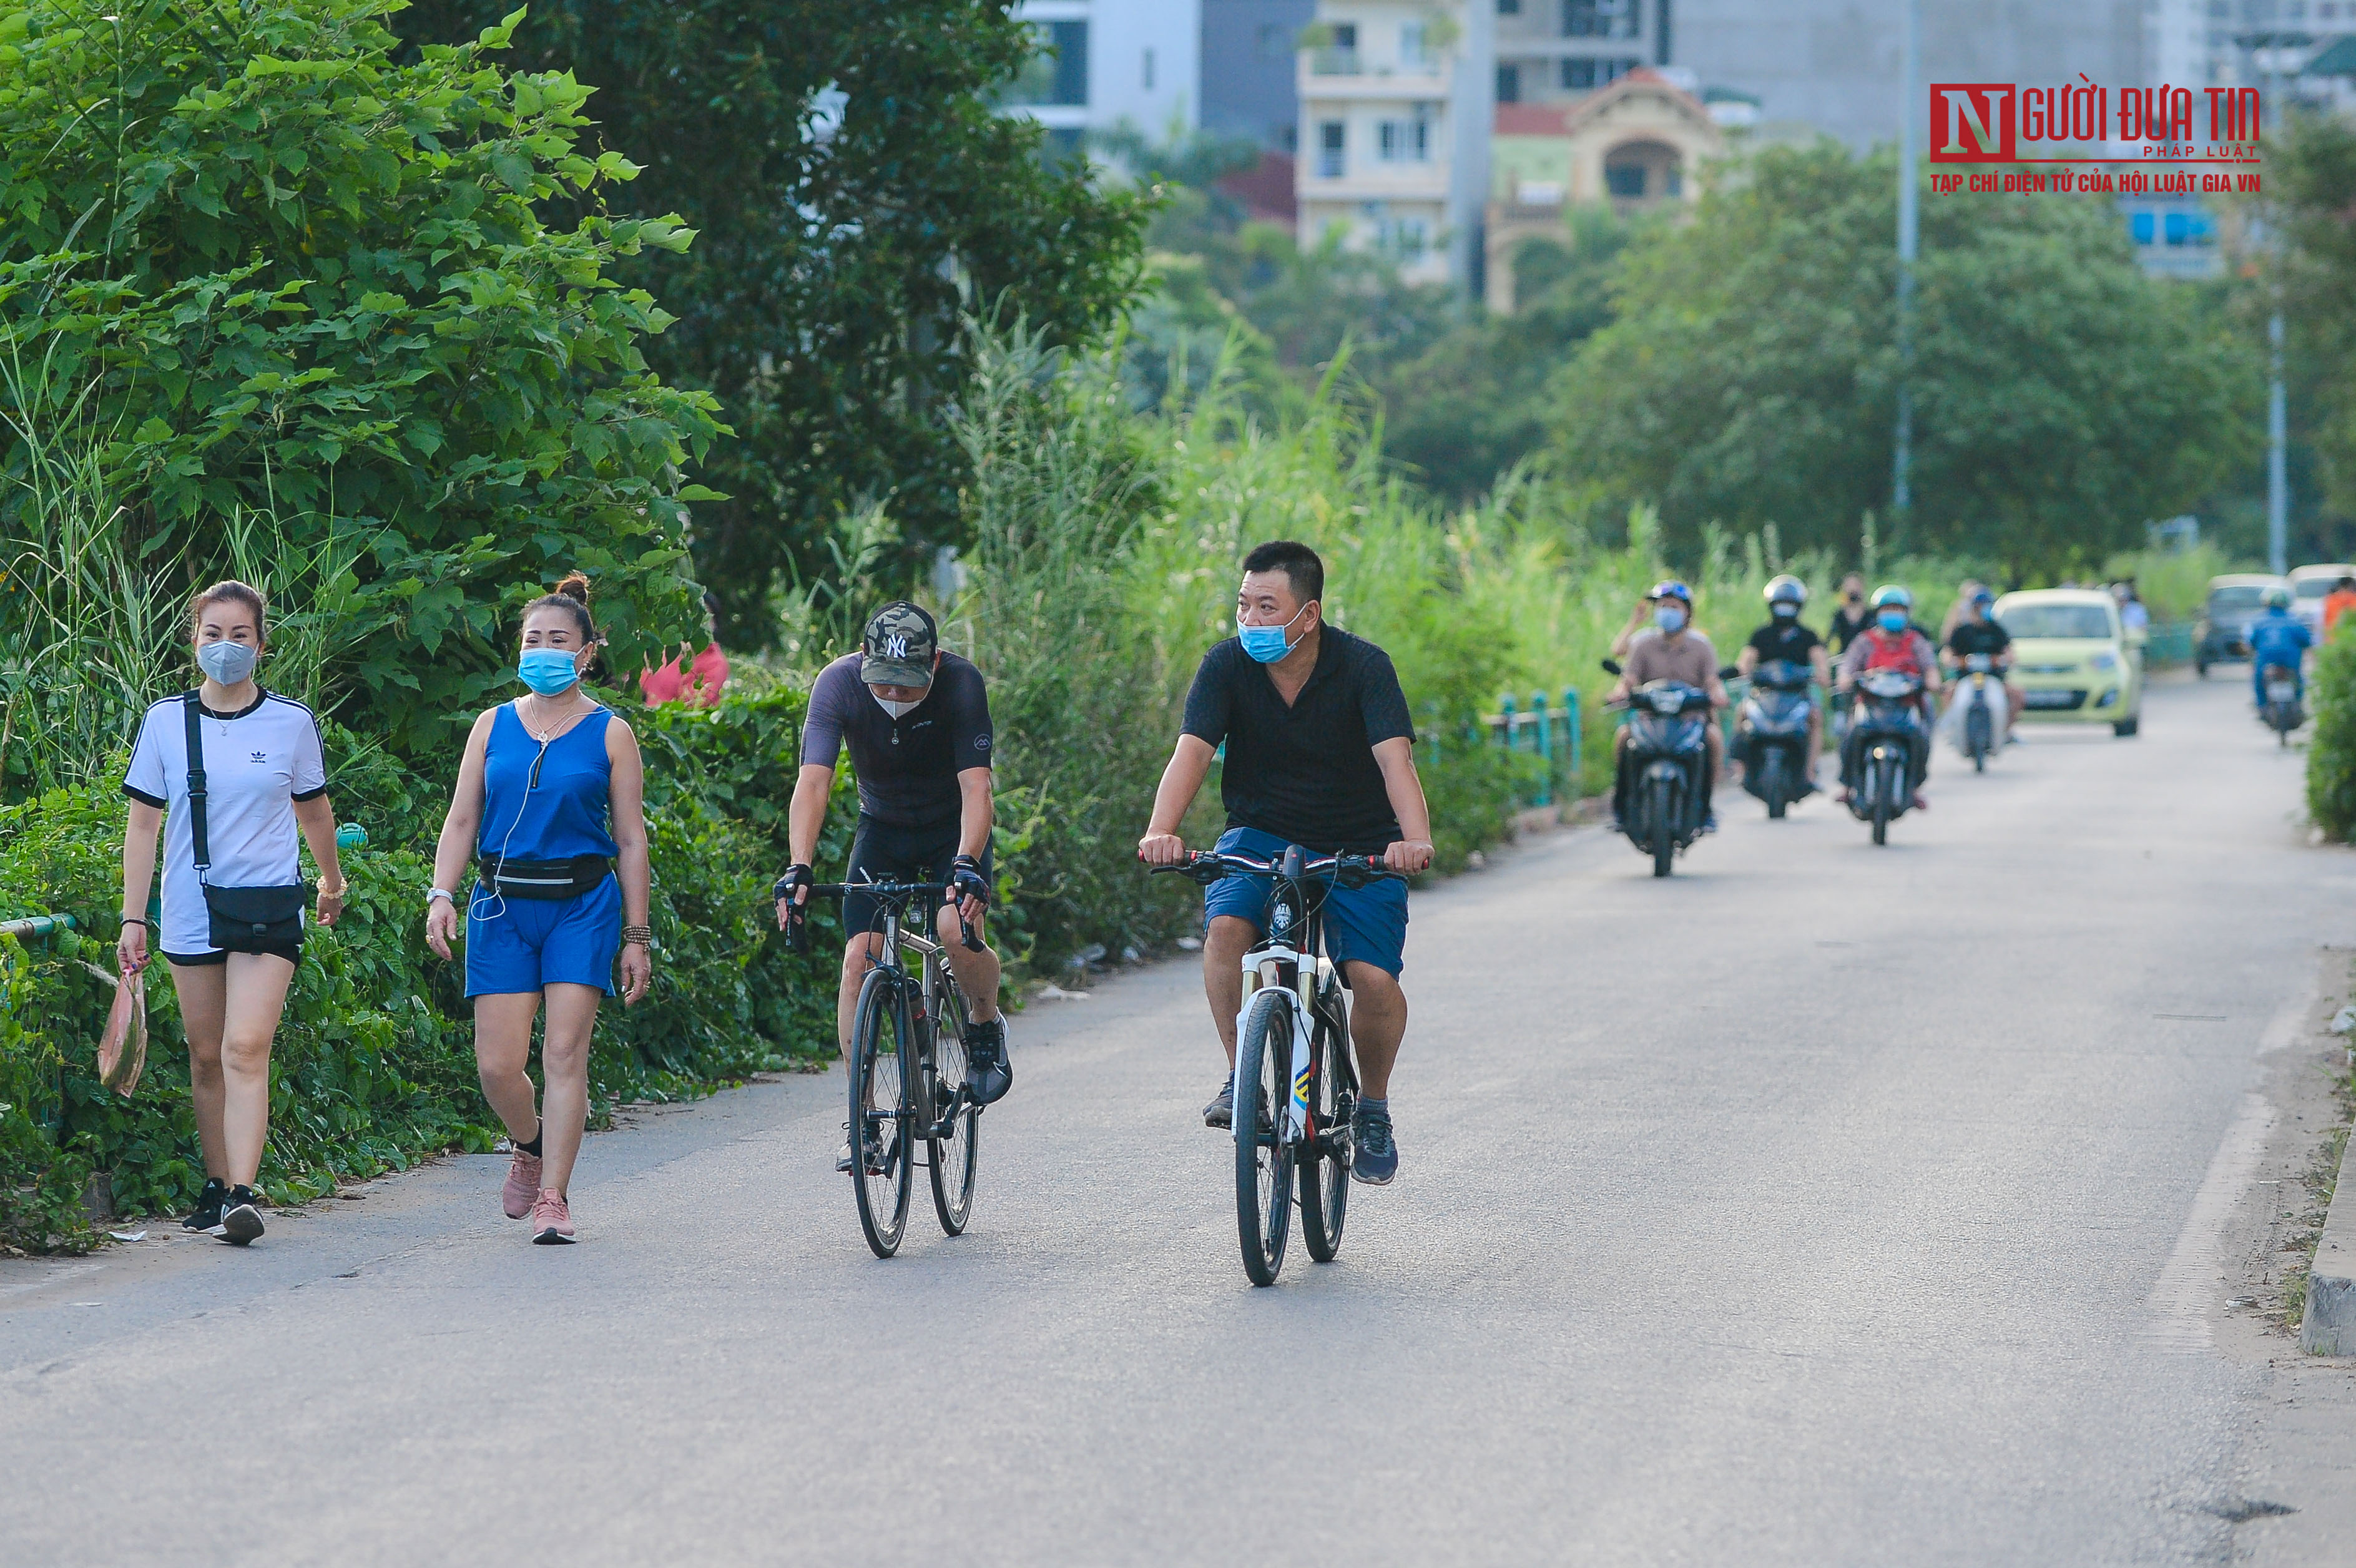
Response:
column 1901, row 495
column 2277, row 480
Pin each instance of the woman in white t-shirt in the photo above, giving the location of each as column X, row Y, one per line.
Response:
column 265, row 782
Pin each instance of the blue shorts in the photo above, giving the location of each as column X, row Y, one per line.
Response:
column 1364, row 925
column 535, row 943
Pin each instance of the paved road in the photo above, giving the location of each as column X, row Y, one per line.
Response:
column 1823, row 1205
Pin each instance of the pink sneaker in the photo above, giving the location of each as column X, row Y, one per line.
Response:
column 551, row 1222
column 524, row 1185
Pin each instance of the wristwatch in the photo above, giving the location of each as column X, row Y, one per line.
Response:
column 433, row 893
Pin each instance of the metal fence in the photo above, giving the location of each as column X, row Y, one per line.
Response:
column 1544, row 730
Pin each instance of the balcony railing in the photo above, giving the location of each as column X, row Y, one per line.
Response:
column 1333, row 61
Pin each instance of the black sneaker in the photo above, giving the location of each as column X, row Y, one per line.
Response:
column 1376, row 1160
column 1221, row 1111
column 241, row 1221
column 987, row 1072
column 206, row 1215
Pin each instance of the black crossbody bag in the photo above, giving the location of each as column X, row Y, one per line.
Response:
column 243, row 920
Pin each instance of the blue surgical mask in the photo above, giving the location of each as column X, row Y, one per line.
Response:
column 1892, row 620
column 1267, row 643
column 1668, row 618
column 227, row 662
column 547, row 670
column 1783, row 610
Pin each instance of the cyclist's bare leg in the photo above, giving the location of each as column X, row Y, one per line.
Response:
column 977, row 973
column 1377, row 1024
column 858, row 957
column 1224, row 946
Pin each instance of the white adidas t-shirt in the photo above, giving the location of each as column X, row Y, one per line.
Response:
column 257, row 763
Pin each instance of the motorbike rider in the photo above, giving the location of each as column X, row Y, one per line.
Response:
column 1892, row 642
column 1672, row 651
column 1976, row 632
column 2278, row 638
column 1785, row 638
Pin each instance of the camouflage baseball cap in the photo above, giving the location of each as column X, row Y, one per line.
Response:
column 898, row 647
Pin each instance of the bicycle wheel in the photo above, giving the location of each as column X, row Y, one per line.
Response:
column 881, row 1140
column 1326, row 1166
column 1263, row 1159
column 953, row 1156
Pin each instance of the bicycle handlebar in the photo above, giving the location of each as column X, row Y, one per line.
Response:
column 1207, row 866
column 797, row 937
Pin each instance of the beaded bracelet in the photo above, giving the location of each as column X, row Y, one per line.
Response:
column 642, row 934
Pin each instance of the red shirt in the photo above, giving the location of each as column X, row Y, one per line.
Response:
column 698, row 683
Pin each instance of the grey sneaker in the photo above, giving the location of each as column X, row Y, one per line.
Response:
column 240, row 1223
column 988, row 1072
column 1377, row 1161
column 1221, row 1111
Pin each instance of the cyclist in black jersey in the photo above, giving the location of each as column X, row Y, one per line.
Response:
column 917, row 722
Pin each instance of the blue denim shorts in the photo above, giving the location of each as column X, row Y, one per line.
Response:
column 535, row 943
column 1364, row 925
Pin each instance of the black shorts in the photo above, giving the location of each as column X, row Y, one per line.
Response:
column 882, row 853
column 291, row 952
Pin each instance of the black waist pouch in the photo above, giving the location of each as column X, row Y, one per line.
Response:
column 239, row 919
column 549, row 879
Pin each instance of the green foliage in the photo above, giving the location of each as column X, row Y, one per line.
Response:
column 259, row 266
column 837, row 251
column 2061, row 398
column 2331, row 750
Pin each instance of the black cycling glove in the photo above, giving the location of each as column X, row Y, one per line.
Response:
column 796, row 876
column 965, row 876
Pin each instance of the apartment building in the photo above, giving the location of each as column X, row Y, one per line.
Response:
column 1111, row 62
column 1396, row 99
column 1251, row 66
column 1550, row 51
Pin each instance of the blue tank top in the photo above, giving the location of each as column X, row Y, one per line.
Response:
column 562, row 815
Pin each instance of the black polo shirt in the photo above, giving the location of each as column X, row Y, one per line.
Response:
column 1305, row 773
column 907, row 766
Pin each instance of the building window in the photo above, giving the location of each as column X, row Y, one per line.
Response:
column 1329, row 149
column 1058, row 74
column 1338, row 56
column 1509, row 84
column 1403, row 239
column 1404, row 141
column 1509, row 7
column 1625, row 180
column 1579, row 75
column 1599, row 19
column 1411, row 51
column 2140, row 224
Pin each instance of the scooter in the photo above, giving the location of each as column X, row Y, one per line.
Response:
column 2283, row 712
column 1883, row 737
column 1660, row 767
column 1772, row 735
column 1980, row 711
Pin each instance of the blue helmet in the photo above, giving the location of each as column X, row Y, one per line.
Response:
column 1672, row 589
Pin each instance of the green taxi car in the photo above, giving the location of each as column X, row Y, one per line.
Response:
column 2071, row 658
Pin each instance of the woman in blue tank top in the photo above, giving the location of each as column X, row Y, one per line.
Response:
column 550, row 803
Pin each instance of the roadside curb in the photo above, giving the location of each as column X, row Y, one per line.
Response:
column 2329, row 1327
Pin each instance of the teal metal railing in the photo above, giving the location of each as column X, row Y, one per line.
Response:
column 1544, row 730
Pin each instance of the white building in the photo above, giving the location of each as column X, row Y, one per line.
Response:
column 1112, row 62
column 1395, row 100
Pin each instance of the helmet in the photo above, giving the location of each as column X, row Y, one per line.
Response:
column 2277, row 598
column 1672, row 589
column 1786, row 590
column 1891, row 593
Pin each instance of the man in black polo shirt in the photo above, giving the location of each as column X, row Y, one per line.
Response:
column 1319, row 753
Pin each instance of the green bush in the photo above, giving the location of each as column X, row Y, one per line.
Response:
column 2332, row 749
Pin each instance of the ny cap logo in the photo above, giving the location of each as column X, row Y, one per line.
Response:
column 896, row 647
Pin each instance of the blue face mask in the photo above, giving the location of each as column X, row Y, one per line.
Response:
column 1669, row 619
column 1892, row 620
column 1267, row 643
column 547, row 670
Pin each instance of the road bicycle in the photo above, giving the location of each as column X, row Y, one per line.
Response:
column 907, row 1069
column 1296, row 1086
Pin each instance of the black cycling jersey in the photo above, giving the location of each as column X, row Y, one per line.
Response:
column 907, row 767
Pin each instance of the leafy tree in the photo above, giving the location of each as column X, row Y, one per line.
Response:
column 263, row 270
column 855, row 190
column 2311, row 180
column 2061, row 398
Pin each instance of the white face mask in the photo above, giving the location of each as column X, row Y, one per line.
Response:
column 897, row 710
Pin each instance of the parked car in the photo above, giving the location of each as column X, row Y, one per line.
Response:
column 2069, row 659
column 2234, row 600
column 2309, row 587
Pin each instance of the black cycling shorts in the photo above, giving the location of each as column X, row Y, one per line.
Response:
column 290, row 950
column 882, row 853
